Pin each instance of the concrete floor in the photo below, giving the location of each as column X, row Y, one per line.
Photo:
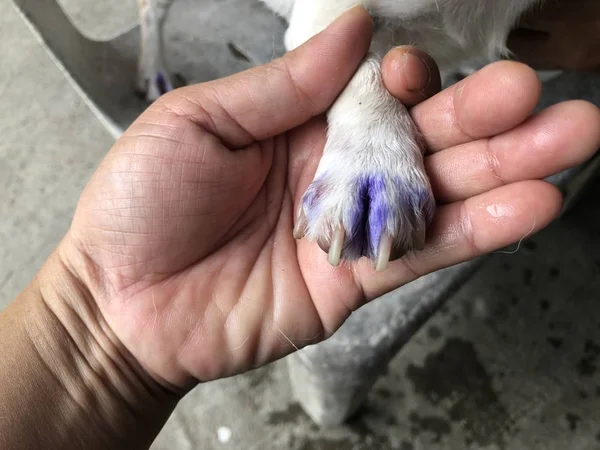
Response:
column 511, row 362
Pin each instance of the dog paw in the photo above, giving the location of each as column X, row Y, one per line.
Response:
column 373, row 213
column 154, row 83
column 370, row 195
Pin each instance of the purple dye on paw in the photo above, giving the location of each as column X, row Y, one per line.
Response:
column 420, row 201
column 369, row 217
column 379, row 212
column 163, row 84
column 312, row 199
column 374, row 207
column 375, row 204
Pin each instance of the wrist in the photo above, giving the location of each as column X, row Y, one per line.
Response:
column 80, row 386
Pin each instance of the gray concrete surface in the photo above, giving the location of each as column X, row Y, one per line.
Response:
column 106, row 70
column 102, row 20
column 510, row 363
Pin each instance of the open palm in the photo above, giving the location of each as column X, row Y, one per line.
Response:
column 185, row 230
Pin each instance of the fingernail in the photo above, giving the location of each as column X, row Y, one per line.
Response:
column 420, row 75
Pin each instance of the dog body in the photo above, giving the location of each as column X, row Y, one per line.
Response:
column 451, row 31
column 370, row 195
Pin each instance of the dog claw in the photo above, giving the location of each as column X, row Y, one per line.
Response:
column 335, row 249
column 300, row 226
column 383, row 255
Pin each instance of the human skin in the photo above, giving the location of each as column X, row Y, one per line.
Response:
column 180, row 266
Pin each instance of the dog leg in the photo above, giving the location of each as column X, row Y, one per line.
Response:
column 153, row 77
column 370, row 195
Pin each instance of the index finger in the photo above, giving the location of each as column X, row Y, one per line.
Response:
column 493, row 100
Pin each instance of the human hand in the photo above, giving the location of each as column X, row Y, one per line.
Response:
column 183, row 236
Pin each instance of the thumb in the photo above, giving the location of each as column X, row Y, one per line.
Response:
column 271, row 99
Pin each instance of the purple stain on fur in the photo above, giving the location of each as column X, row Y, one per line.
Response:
column 369, row 217
column 420, row 201
column 163, row 84
column 312, row 200
column 373, row 207
column 379, row 212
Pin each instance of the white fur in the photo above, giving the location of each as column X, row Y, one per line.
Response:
column 451, row 31
column 370, row 133
column 152, row 67
column 281, row 7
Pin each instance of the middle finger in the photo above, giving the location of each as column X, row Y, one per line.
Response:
column 557, row 138
column 491, row 101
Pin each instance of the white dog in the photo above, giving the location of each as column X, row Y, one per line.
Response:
column 370, row 196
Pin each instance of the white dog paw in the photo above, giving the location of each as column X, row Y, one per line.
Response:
column 370, row 196
column 153, row 83
column 378, row 215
